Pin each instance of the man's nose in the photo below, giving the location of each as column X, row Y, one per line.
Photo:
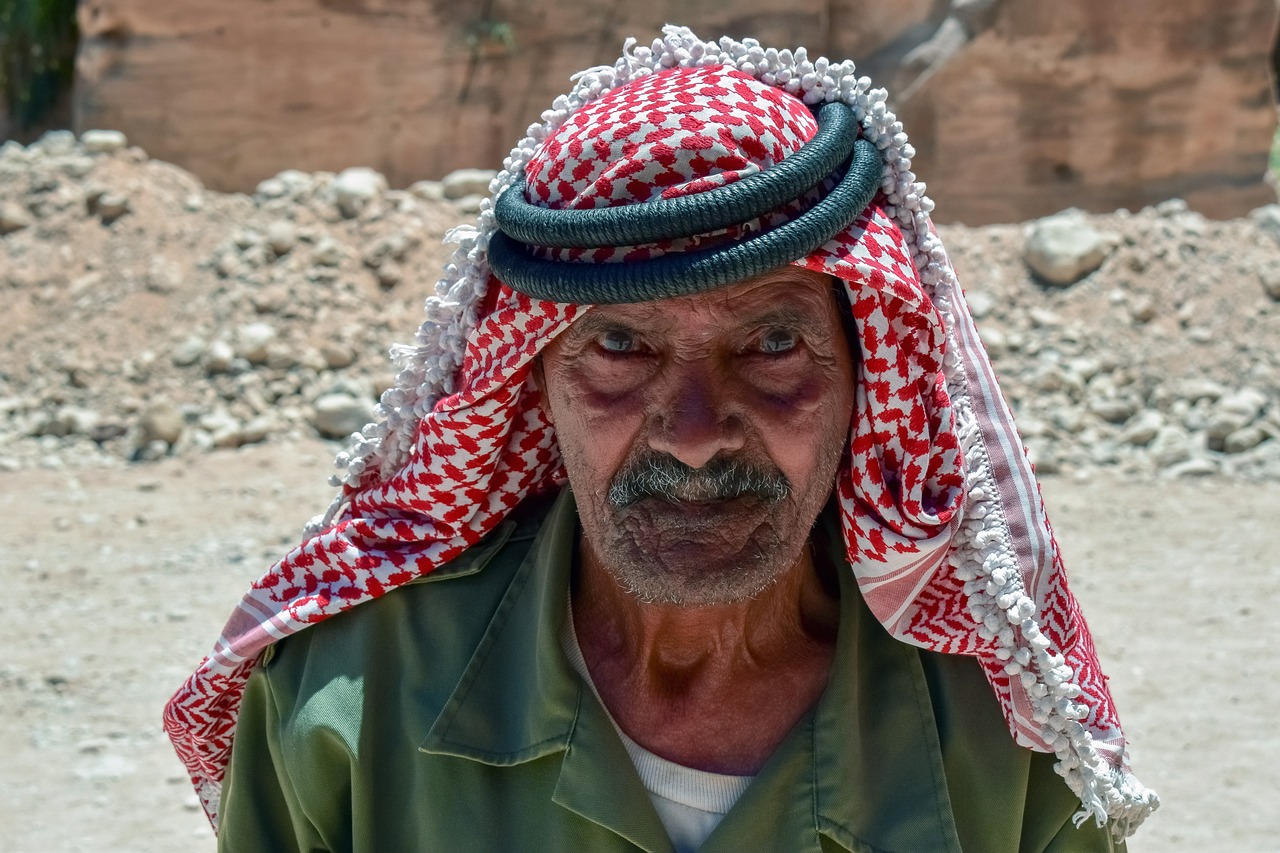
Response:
column 696, row 420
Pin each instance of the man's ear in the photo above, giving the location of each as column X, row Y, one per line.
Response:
column 537, row 378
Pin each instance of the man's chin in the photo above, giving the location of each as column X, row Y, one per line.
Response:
column 697, row 553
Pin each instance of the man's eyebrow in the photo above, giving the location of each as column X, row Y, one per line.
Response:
column 594, row 324
column 788, row 317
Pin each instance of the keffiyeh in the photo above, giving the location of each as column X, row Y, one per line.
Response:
column 942, row 520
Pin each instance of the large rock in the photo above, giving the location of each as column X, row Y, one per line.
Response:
column 13, row 217
column 281, row 237
column 103, row 141
column 1143, row 428
column 1016, row 110
column 339, row 415
column 1171, row 446
column 222, row 427
column 1233, row 413
column 1243, row 439
column 465, row 182
column 355, row 188
column 69, row 420
column 189, row 351
column 253, row 340
column 1064, row 248
column 161, row 422
column 1268, row 220
column 1269, row 278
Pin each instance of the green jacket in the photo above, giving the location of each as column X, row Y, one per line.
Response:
column 444, row 716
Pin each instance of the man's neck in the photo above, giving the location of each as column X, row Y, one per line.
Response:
column 714, row 687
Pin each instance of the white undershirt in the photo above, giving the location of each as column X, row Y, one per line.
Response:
column 690, row 803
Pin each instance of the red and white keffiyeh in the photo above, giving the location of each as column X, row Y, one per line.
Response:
column 942, row 518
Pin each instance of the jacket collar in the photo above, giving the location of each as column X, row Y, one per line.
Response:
column 519, row 701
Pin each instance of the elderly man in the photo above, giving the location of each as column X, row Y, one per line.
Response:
column 798, row 591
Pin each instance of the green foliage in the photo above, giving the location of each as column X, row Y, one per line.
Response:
column 1275, row 151
column 485, row 31
column 37, row 56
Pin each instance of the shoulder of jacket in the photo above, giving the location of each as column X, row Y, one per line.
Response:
column 500, row 552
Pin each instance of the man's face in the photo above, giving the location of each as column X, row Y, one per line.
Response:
column 701, row 434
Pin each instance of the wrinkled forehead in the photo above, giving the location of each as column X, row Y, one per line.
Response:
column 789, row 290
column 673, row 133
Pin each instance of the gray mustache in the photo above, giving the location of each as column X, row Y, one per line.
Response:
column 664, row 477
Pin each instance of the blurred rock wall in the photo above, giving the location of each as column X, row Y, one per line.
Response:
column 1097, row 105
column 1016, row 109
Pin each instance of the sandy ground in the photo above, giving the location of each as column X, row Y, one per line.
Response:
column 117, row 581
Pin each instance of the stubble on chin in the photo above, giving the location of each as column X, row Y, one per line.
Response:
column 696, row 556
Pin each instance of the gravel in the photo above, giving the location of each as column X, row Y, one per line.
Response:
column 148, row 317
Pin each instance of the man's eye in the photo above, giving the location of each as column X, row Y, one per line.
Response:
column 616, row 340
column 778, row 341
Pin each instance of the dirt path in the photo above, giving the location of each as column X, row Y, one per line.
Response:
column 117, row 581
column 1180, row 581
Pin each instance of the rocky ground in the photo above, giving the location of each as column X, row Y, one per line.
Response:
column 177, row 365
column 1145, row 342
column 148, row 317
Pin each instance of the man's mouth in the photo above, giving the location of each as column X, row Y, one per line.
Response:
column 696, row 509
